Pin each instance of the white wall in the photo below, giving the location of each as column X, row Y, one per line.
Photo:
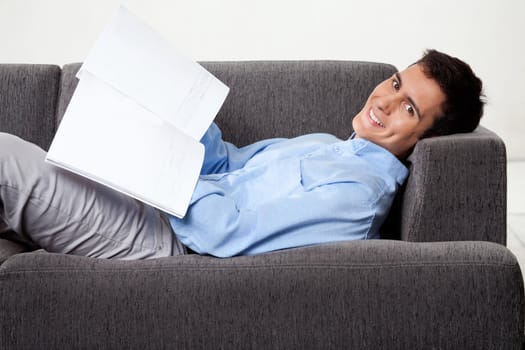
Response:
column 488, row 34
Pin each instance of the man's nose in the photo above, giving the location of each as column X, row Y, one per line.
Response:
column 386, row 103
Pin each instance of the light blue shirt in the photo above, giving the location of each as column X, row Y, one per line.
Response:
column 283, row 193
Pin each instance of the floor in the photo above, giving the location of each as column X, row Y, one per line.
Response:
column 516, row 210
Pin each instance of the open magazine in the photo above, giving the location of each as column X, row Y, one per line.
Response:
column 137, row 115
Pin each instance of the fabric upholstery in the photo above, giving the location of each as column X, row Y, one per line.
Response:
column 356, row 295
column 28, row 97
column 292, row 98
column 68, row 84
column 456, row 189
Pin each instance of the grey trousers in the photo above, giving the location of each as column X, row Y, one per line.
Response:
column 66, row 213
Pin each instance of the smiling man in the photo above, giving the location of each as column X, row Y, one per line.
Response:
column 400, row 110
column 271, row 195
column 438, row 95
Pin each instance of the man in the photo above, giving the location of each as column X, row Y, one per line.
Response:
column 274, row 194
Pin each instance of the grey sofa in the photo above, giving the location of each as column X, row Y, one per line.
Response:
column 441, row 277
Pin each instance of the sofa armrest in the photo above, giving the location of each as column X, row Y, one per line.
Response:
column 457, row 189
column 377, row 294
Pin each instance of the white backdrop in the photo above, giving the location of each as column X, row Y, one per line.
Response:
column 488, row 34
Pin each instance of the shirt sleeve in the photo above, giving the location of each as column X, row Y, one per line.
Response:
column 221, row 156
column 327, row 213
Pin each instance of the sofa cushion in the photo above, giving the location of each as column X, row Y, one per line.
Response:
column 374, row 294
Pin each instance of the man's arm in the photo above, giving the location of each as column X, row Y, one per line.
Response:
column 329, row 213
column 221, row 156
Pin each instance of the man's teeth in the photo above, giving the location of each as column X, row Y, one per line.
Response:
column 374, row 118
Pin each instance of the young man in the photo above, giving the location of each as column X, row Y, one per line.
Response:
column 274, row 194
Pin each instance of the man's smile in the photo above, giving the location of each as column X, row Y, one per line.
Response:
column 375, row 119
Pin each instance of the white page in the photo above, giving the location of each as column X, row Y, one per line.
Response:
column 126, row 147
column 130, row 56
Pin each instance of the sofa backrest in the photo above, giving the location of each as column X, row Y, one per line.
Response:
column 281, row 98
column 28, row 100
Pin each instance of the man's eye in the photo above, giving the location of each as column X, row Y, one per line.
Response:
column 409, row 109
column 395, row 84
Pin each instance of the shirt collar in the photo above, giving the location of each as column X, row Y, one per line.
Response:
column 379, row 157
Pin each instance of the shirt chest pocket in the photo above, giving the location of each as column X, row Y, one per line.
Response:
column 320, row 171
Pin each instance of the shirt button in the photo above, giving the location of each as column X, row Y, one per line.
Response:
column 337, row 149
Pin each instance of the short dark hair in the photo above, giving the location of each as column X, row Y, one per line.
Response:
column 464, row 102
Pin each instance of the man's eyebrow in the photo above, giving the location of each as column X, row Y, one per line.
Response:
column 400, row 81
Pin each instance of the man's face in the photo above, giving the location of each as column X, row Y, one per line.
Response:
column 400, row 110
